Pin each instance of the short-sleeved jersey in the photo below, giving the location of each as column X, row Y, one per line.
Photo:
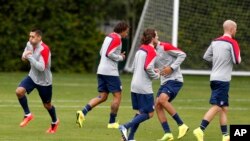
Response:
column 223, row 52
column 143, row 70
column 110, row 55
column 169, row 55
column 40, row 63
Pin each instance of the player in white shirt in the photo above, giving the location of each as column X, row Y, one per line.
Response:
column 223, row 52
column 141, row 85
column 108, row 75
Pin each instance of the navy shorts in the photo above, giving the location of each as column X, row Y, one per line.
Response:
column 142, row 102
column 219, row 95
column 109, row 83
column 171, row 88
column 45, row 92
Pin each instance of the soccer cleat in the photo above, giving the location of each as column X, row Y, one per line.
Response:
column 225, row 138
column 182, row 130
column 167, row 137
column 198, row 133
column 53, row 127
column 79, row 118
column 113, row 125
column 124, row 132
column 26, row 120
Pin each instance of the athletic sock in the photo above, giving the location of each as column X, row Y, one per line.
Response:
column 52, row 113
column 204, row 124
column 112, row 118
column 133, row 130
column 177, row 119
column 137, row 120
column 224, row 129
column 24, row 103
column 165, row 127
column 86, row 109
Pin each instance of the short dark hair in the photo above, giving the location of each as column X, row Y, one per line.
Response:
column 147, row 36
column 37, row 31
column 120, row 27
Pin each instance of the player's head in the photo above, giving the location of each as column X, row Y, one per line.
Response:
column 122, row 28
column 35, row 36
column 149, row 36
column 230, row 27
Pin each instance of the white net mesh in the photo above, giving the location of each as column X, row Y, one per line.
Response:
column 199, row 23
column 156, row 14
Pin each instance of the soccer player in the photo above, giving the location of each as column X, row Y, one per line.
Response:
column 168, row 60
column 141, row 85
column 108, row 75
column 223, row 52
column 40, row 77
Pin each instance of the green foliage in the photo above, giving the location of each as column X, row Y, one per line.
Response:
column 70, row 29
column 201, row 22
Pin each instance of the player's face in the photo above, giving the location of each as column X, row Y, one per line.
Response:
column 34, row 38
column 124, row 34
column 155, row 39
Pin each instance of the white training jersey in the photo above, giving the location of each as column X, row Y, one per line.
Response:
column 110, row 55
column 143, row 70
column 223, row 52
column 40, row 63
column 168, row 55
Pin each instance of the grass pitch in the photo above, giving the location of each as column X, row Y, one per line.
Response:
column 72, row 91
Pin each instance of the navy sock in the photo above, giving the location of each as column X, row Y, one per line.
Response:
column 177, row 119
column 204, row 124
column 224, row 129
column 86, row 109
column 137, row 120
column 24, row 103
column 165, row 127
column 133, row 130
column 112, row 118
column 52, row 113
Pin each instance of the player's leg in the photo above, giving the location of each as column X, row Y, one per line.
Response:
column 26, row 85
column 114, row 109
column 164, row 101
column 103, row 95
column 45, row 93
column 223, row 124
column 168, row 136
column 145, row 103
column 224, row 103
column 208, row 117
column 114, row 85
column 81, row 114
column 133, row 129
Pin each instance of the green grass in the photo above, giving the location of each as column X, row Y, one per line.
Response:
column 72, row 91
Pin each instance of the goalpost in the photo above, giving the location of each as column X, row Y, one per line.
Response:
column 164, row 16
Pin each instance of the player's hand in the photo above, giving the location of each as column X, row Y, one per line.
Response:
column 157, row 70
column 166, row 71
column 26, row 54
column 123, row 55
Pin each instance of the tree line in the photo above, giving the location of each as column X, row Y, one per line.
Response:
column 72, row 29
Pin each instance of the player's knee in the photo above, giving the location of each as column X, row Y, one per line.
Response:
column 20, row 92
column 161, row 101
column 157, row 105
column 103, row 98
column 151, row 114
column 47, row 106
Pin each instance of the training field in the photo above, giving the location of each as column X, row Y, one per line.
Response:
column 72, row 91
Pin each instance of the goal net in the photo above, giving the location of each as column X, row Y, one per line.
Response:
column 199, row 22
